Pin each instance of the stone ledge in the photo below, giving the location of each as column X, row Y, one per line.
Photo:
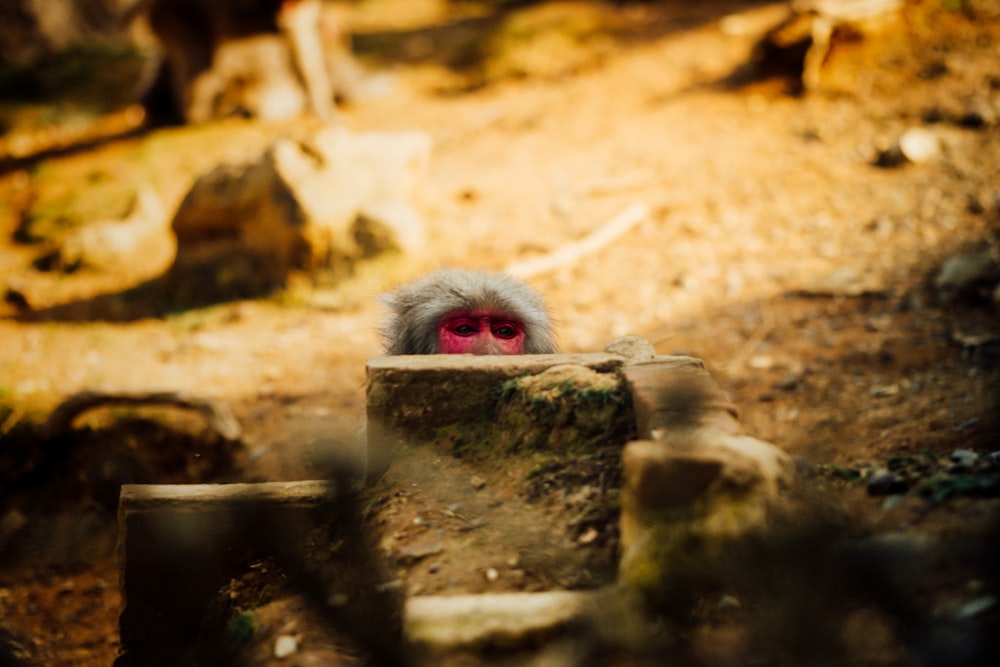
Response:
column 426, row 392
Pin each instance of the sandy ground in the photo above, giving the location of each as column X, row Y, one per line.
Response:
column 774, row 248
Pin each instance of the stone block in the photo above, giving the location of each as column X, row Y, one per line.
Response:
column 690, row 496
column 671, row 392
column 418, row 394
column 179, row 544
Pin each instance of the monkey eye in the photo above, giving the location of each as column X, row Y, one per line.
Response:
column 461, row 326
column 504, row 331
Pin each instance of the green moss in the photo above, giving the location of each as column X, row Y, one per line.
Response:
column 243, row 626
column 567, row 410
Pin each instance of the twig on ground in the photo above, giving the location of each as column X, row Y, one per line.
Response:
column 604, row 235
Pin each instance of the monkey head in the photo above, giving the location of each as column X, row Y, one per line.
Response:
column 459, row 311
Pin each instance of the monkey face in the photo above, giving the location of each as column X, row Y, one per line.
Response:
column 461, row 311
column 481, row 332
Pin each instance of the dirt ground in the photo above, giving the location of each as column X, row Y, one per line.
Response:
column 775, row 248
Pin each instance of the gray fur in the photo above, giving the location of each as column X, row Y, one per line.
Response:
column 416, row 309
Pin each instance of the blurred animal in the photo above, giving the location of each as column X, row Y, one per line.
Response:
column 459, row 311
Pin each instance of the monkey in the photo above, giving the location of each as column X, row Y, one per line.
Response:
column 462, row 311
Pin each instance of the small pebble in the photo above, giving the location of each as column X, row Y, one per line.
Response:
column 886, row 483
column 919, row 145
column 633, row 348
column 975, row 607
column 728, row 602
column 964, row 457
column 968, row 423
column 787, row 383
column 285, row 645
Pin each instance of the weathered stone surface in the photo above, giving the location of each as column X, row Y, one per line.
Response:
column 140, row 240
column 419, row 398
column 558, row 402
column 320, row 204
column 692, row 494
column 509, row 620
column 635, row 348
column 964, row 272
column 178, row 544
column 421, row 393
column 697, row 485
column 673, row 392
column 568, row 407
column 505, row 619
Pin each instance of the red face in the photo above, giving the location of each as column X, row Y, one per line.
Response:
column 481, row 332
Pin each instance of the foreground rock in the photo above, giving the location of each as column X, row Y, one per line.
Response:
column 696, row 486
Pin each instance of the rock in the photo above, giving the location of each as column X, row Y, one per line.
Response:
column 179, row 544
column 916, row 145
column 789, row 381
column 415, row 553
column 458, row 397
column 417, row 394
column 388, row 225
column 964, row 457
column 919, row 145
column 564, row 408
column 285, row 646
column 672, row 392
column 139, row 241
column 634, row 348
column 315, row 205
column 885, row 390
column 690, row 497
column 886, row 483
column 699, row 486
column 976, row 607
column 972, row 422
column 889, row 157
column 964, row 272
column 520, row 619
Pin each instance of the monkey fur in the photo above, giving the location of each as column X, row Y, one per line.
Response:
column 416, row 309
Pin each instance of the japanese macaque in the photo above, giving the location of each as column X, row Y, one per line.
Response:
column 457, row 311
